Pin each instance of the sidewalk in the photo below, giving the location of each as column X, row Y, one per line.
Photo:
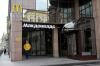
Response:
column 42, row 61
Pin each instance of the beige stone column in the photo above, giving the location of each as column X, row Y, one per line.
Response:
column 93, row 37
column 16, row 27
column 96, row 14
column 16, row 34
column 55, row 42
column 16, row 39
column 77, row 9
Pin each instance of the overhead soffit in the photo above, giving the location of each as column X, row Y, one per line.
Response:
column 67, row 3
column 82, row 2
column 62, row 3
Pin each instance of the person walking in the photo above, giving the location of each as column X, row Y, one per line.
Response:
column 27, row 48
column 4, row 51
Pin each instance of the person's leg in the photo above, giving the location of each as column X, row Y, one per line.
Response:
column 26, row 55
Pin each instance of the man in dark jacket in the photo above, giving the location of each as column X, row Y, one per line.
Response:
column 4, row 51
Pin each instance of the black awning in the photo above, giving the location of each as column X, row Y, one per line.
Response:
column 62, row 3
column 82, row 2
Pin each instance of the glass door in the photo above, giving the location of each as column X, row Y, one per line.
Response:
column 40, row 40
column 38, row 43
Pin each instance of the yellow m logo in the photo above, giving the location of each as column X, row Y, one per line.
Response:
column 17, row 8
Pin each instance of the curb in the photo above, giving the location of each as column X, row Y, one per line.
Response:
column 77, row 63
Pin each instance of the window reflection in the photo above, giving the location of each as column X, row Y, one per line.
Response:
column 66, row 15
column 40, row 14
column 35, row 16
column 86, row 10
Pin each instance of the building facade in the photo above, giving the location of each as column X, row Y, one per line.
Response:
column 50, row 37
column 79, row 41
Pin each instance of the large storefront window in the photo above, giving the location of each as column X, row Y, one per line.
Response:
column 40, row 40
column 38, row 14
column 86, row 9
column 66, row 15
column 35, row 16
column 62, row 10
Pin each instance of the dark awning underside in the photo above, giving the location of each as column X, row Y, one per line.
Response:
column 62, row 3
column 67, row 3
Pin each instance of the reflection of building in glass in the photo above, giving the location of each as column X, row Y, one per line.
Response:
column 35, row 16
column 63, row 15
column 62, row 12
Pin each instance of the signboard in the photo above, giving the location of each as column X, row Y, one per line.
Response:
column 26, row 25
column 16, row 8
column 27, row 46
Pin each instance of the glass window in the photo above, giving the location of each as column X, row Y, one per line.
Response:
column 62, row 10
column 83, row 13
column 91, row 11
column 86, row 10
column 90, row 3
column 87, row 5
column 65, row 20
column 65, row 10
column 82, row 7
column 65, row 15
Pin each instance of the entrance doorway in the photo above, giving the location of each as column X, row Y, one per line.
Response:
column 68, row 47
column 40, row 40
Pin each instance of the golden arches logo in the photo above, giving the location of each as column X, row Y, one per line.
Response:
column 16, row 8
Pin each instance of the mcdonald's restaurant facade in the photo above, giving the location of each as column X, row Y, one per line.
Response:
column 50, row 38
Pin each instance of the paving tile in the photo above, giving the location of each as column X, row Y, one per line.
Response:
column 44, row 61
